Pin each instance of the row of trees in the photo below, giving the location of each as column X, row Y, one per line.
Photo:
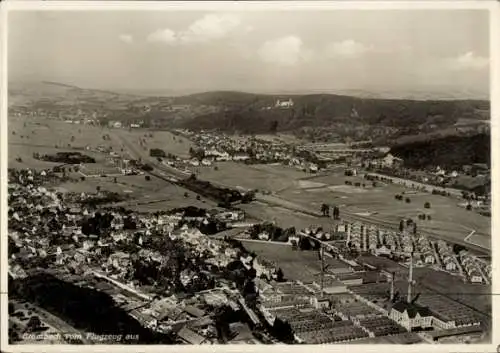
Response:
column 325, row 211
column 400, row 197
column 65, row 158
column 404, row 224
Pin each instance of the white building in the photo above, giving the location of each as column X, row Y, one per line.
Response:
column 284, row 104
column 411, row 316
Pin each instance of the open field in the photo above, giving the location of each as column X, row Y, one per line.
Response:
column 477, row 296
column 285, row 218
column 448, row 219
column 261, row 177
column 480, row 240
column 146, row 196
column 54, row 132
column 27, row 136
column 164, row 140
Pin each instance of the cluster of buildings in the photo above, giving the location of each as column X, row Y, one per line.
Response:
column 399, row 244
column 280, row 104
column 352, row 304
column 476, row 269
column 430, row 180
column 45, row 230
column 116, row 124
column 221, row 147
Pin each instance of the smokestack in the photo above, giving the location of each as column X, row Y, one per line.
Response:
column 322, row 252
column 392, row 286
column 365, row 245
column 410, row 277
column 348, row 232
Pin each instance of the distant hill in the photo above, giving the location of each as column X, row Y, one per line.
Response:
column 450, row 152
column 246, row 112
column 329, row 116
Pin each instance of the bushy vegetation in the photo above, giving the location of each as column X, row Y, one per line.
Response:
column 224, row 196
column 157, row 152
column 84, row 308
column 245, row 113
column 450, row 152
column 65, row 158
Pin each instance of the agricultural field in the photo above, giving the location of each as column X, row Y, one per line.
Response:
column 261, row 177
column 449, row 220
column 49, row 133
column 164, row 140
column 44, row 136
column 146, row 196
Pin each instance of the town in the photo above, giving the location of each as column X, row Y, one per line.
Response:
column 207, row 175
column 222, row 274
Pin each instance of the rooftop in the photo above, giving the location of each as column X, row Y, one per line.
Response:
column 189, row 336
column 412, row 309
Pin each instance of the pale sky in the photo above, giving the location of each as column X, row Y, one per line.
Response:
column 267, row 51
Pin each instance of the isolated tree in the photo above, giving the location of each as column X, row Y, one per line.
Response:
column 304, row 243
column 407, row 200
column 401, row 225
column 325, row 210
column 336, row 213
column 469, row 207
column 34, row 323
column 427, row 205
column 98, row 188
column 279, row 275
column 147, row 177
column 274, row 127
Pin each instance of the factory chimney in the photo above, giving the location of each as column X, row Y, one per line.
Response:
column 393, row 275
column 365, row 245
column 410, row 278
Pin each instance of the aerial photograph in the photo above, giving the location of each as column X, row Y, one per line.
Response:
column 192, row 177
